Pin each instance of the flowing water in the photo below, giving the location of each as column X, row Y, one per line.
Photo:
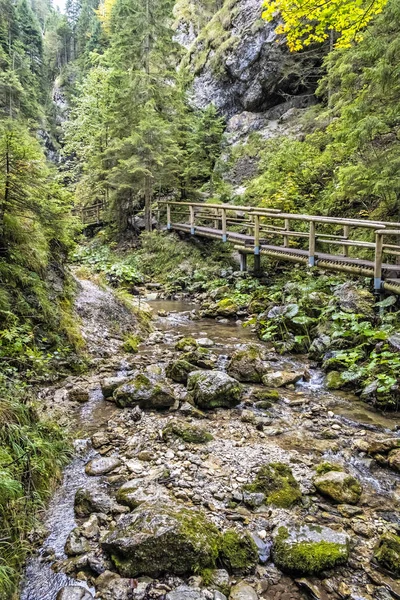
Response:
column 41, row 582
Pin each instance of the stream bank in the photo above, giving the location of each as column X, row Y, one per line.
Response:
column 300, row 425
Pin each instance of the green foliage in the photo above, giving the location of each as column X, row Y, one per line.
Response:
column 32, row 453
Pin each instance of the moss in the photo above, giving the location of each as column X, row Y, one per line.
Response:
column 188, row 433
column 325, row 467
column 334, row 380
column 179, row 370
column 307, row 557
column 238, row 553
column 387, row 553
column 271, row 395
column 186, row 343
column 131, row 344
column 276, row 481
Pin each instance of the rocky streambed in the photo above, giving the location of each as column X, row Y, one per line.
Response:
column 207, row 467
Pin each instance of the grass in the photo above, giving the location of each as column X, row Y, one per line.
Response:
column 32, row 455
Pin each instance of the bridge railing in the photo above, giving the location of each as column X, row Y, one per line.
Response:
column 254, row 228
column 90, row 215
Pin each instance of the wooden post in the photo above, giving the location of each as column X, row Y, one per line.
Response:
column 311, row 246
column 256, row 235
column 346, row 231
column 168, row 216
column 224, row 230
column 192, row 219
column 378, row 261
column 216, row 220
column 286, row 237
column 243, row 261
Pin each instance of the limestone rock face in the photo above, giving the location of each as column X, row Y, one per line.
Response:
column 394, row 460
column 142, row 391
column 339, row 486
column 309, row 549
column 240, row 63
column 157, row 539
column 214, row 389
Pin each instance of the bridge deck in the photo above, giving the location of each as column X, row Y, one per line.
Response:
column 242, row 239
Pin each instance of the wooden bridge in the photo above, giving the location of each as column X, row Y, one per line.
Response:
column 306, row 239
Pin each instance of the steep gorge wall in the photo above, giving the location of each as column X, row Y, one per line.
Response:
column 242, row 66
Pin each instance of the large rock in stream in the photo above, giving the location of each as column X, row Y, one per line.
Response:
column 143, row 392
column 157, row 539
column 309, row 549
column 214, row 389
column 247, row 365
column 339, row 486
column 74, row 592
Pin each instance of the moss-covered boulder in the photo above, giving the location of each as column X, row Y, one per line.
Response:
column 394, row 460
column 279, row 379
column 277, row 482
column 192, row 434
column 186, row 344
column 238, row 553
column 336, row 484
column 309, row 549
column 334, row 381
column 132, row 493
column 355, row 300
column 110, row 384
column 142, row 391
column 178, row 370
column 157, row 539
column 387, row 553
column 226, row 308
column 247, row 365
column 201, row 358
column 214, row 389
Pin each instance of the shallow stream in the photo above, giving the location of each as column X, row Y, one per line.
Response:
column 304, row 411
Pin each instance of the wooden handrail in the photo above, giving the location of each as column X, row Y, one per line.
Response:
column 230, row 221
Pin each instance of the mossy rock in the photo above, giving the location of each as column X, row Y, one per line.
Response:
column 214, row 389
column 179, row 370
column 387, row 553
column 339, row 486
column 132, row 493
column 186, row 344
column 325, row 467
column 201, row 358
column 159, row 539
column 145, row 393
column 266, row 395
column 238, row 553
column 334, row 381
column 276, row 481
column 309, row 549
column 247, row 365
column 226, row 308
column 190, row 434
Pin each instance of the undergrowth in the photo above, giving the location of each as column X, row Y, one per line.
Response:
column 32, row 454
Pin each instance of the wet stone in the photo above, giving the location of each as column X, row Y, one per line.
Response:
column 184, row 592
column 243, row 591
column 74, row 592
column 101, row 466
column 89, row 501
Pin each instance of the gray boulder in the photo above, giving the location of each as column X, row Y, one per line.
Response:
column 309, row 549
column 339, row 486
column 102, row 465
column 74, row 592
column 161, row 538
column 247, row 365
column 144, row 392
column 213, row 389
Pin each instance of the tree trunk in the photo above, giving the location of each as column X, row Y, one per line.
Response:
column 148, row 193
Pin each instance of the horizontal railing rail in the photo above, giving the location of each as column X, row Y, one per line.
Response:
column 247, row 227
